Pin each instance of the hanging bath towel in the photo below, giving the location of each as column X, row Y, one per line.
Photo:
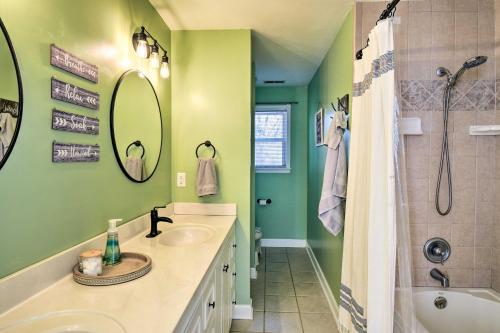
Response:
column 368, row 265
column 331, row 208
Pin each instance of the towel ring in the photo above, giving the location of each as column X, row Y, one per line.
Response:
column 207, row 144
column 137, row 144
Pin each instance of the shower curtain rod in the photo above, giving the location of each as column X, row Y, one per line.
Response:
column 387, row 12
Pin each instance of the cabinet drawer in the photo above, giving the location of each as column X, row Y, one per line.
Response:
column 195, row 323
column 209, row 300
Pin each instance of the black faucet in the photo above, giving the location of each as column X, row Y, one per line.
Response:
column 154, row 222
column 441, row 277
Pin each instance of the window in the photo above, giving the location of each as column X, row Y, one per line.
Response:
column 272, row 138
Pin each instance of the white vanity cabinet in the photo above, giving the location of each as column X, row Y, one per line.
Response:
column 212, row 307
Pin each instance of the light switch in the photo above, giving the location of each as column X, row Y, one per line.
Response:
column 181, row 179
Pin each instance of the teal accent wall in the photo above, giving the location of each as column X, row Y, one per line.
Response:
column 212, row 82
column 333, row 79
column 287, row 215
column 46, row 208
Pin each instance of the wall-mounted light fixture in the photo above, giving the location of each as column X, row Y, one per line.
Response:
column 146, row 50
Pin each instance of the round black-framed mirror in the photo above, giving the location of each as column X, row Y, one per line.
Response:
column 136, row 126
column 11, row 96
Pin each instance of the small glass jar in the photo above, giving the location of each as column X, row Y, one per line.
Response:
column 90, row 262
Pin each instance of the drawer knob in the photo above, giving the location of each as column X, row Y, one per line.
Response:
column 211, row 305
column 226, row 267
column 234, row 274
column 234, row 302
column 234, row 245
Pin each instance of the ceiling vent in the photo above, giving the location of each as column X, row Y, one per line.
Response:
column 274, row 81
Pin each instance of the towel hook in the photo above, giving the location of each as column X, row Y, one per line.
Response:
column 207, row 144
column 137, row 143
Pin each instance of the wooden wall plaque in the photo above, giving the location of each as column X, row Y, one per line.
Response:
column 73, row 152
column 69, row 93
column 8, row 106
column 71, row 122
column 72, row 64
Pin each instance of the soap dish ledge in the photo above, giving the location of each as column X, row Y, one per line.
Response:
column 484, row 130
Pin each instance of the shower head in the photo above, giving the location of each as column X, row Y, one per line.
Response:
column 474, row 62
column 468, row 64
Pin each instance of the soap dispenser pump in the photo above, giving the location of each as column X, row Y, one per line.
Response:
column 112, row 253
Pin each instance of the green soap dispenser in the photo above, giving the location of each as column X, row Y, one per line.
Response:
column 112, row 253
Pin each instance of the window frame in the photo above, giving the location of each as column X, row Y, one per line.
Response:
column 279, row 108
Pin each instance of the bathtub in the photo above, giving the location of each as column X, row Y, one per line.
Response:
column 472, row 310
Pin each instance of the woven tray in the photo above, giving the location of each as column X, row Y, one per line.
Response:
column 131, row 267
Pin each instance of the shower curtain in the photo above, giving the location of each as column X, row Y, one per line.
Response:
column 375, row 201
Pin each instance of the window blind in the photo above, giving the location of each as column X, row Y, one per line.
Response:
column 271, row 139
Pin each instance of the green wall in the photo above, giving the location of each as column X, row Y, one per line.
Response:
column 45, row 207
column 8, row 83
column 333, row 79
column 286, row 217
column 212, row 88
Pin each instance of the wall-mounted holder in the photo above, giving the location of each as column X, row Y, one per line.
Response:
column 410, row 126
column 207, row 144
column 437, row 250
column 484, row 130
column 264, row 202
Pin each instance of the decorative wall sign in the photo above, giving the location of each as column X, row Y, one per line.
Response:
column 8, row 106
column 70, row 122
column 72, row 152
column 319, row 127
column 69, row 93
column 72, row 64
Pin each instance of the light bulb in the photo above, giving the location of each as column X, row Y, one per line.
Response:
column 155, row 57
column 142, row 48
column 164, row 70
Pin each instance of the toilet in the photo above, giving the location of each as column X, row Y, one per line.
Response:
column 258, row 237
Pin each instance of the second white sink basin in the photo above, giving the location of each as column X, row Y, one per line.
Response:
column 187, row 234
column 75, row 321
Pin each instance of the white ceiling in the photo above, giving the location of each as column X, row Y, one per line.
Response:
column 290, row 37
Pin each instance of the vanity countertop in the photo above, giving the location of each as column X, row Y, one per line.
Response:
column 153, row 303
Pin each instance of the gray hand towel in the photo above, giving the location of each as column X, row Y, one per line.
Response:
column 206, row 179
column 135, row 168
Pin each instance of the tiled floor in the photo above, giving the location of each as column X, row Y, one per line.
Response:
column 287, row 296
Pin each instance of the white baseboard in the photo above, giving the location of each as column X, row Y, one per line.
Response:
column 270, row 242
column 243, row 311
column 324, row 284
column 253, row 273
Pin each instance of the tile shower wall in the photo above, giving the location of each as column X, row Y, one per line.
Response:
column 446, row 33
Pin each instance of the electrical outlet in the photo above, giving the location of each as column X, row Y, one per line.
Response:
column 181, row 179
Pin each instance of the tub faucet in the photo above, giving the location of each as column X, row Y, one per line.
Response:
column 154, row 222
column 441, row 277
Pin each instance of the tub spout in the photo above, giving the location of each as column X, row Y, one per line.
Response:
column 441, row 277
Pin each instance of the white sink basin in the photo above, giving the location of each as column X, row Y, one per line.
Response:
column 187, row 234
column 74, row 321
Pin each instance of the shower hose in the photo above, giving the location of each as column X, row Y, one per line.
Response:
column 445, row 156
